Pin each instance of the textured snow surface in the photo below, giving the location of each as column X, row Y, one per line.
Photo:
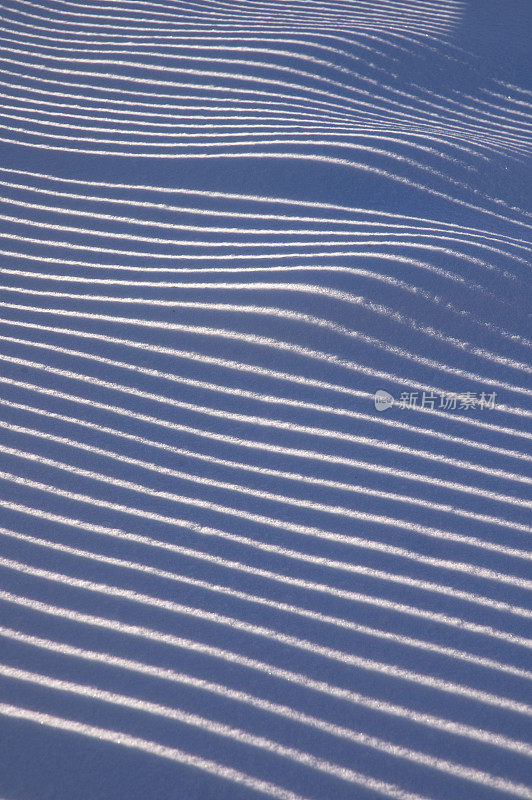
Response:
column 226, row 573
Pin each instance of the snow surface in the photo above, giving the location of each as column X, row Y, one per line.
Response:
column 225, row 574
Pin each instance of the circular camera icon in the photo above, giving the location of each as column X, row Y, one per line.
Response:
column 383, row 400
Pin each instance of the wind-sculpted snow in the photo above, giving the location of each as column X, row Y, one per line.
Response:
column 230, row 569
